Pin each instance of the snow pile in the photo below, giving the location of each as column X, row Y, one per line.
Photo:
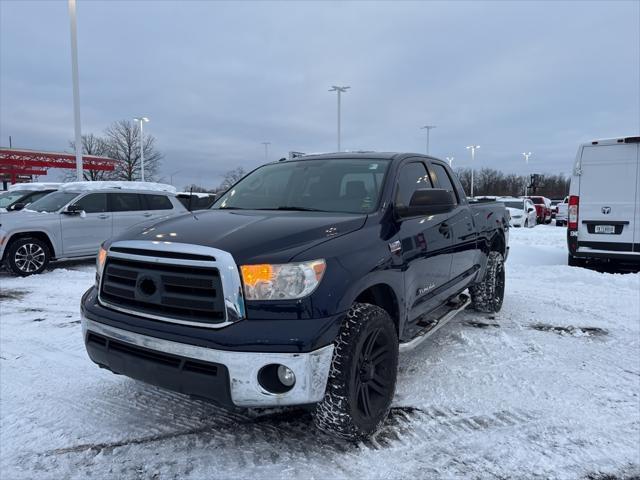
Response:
column 34, row 186
column 547, row 388
column 86, row 186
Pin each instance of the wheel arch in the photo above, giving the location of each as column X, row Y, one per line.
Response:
column 384, row 296
column 40, row 235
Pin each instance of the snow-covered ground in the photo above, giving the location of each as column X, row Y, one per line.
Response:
column 547, row 388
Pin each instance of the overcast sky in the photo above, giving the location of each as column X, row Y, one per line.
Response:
column 217, row 79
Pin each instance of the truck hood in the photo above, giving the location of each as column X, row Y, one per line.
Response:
column 251, row 236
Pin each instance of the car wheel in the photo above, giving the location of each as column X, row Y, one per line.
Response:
column 362, row 378
column 28, row 256
column 487, row 295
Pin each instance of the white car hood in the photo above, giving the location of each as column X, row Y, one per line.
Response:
column 515, row 212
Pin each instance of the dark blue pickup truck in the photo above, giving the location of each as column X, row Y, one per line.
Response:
column 299, row 286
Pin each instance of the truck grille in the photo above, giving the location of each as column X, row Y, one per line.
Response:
column 163, row 291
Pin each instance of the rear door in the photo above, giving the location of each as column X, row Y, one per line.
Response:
column 128, row 210
column 460, row 225
column 608, row 196
column 83, row 233
column 157, row 205
column 424, row 244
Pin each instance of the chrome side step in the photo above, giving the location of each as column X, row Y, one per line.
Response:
column 423, row 335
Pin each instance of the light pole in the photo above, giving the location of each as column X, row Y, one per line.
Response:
column 266, row 151
column 340, row 91
column 428, row 129
column 174, row 173
column 526, row 160
column 450, row 160
column 473, row 149
column 76, row 88
column 141, row 120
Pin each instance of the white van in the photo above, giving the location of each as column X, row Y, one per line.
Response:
column 604, row 202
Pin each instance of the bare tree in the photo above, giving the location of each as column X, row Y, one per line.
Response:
column 91, row 145
column 231, row 177
column 123, row 142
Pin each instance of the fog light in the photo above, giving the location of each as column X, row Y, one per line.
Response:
column 286, row 376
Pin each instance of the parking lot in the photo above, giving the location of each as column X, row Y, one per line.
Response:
column 548, row 388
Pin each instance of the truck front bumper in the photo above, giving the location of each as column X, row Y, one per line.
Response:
column 227, row 377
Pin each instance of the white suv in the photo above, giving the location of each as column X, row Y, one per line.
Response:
column 604, row 202
column 75, row 220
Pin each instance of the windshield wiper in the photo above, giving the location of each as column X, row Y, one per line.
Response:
column 299, row 209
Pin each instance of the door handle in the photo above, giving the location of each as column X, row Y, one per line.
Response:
column 103, row 216
column 147, row 214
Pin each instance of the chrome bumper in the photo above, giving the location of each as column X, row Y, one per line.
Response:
column 311, row 369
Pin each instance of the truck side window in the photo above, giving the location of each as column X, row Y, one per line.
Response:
column 440, row 177
column 93, row 203
column 412, row 176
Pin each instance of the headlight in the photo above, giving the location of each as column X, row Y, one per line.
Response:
column 100, row 259
column 281, row 282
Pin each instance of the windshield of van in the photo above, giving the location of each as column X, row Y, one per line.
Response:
column 332, row 185
column 52, row 202
column 7, row 198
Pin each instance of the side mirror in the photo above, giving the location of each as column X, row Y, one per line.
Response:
column 428, row 201
column 16, row 207
column 530, row 209
column 73, row 210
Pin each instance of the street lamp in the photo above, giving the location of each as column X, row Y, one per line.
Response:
column 174, row 173
column 339, row 90
column 526, row 160
column 450, row 160
column 473, row 149
column 428, row 129
column 141, row 120
column 76, row 88
column 266, row 151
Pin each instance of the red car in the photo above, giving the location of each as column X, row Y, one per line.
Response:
column 543, row 209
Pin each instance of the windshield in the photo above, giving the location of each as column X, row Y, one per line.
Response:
column 537, row 200
column 334, row 185
column 514, row 204
column 52, row 202
column 7, row 198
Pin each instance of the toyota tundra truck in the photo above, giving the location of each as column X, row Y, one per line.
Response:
column 299, row 286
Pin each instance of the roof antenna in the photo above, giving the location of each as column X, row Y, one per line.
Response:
column 190, row 197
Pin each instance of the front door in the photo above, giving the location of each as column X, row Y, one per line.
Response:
column 82, row 233
column 425, row 243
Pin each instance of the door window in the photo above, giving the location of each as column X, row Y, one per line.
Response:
column 413, row 176
column 158, row 202
column 125, row 202
column 93, row 203
column 440, row 177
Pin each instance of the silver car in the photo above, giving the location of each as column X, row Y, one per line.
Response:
column 73, row 223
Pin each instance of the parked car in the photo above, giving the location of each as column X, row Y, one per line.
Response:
column 75, row 220
column 562, row 211
column 522, row 211
column 22, row 194
column 196, row 200
column 543, row 208
column 554, row 207
column 299, row 286
column 604, row 211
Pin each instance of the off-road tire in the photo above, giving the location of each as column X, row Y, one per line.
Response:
column 16, row 261
column 342, row 412
column 488, row 294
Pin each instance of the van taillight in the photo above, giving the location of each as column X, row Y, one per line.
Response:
column 574, row 201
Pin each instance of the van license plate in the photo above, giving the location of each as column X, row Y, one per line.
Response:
column 605, row 229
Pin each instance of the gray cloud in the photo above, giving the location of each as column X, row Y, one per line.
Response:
column 218, row 78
